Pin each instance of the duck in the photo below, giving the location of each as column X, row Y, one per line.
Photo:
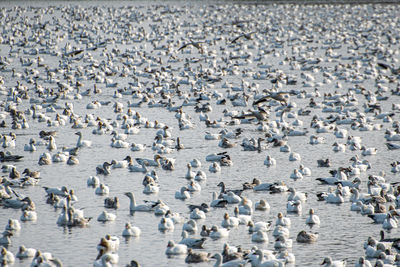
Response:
column 328, row 262
column 191, row 242
column 304, row 237
column 143, row 207
column 175, row 249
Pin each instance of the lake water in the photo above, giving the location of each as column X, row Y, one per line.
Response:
column 341, row 233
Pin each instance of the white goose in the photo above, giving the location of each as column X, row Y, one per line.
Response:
column 82, row 143
column 131, row 230
column 142, row 207
column 175, row 249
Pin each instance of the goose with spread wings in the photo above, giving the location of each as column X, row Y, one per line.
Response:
column 247, row 36
column 281, row 97
column 195, row 44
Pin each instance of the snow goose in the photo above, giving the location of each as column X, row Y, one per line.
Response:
column 190, row 174
column 131, row 230
column 329, row 263
column 175, row 249
column 82, row 143
column 191, row 242
column 229, row 222
column 102, row 190
column 166, row 224
column 312, row 218
column 304, row 170
column 200, row 176
column 214, row 167
column 258, row 226
column 280, row 231
column 282, row 242
column 197, row 214
column 232, row 263
column 24, row 252
column 106, row 217
column 143, row 207
column 217, row 233
column 190, row 226
column 269, row 161
column 13, row 225
column 6, row 257
column 259, row 236
column 284, row 221
column 182, row 193
column 294, row 206
column 262, row 205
